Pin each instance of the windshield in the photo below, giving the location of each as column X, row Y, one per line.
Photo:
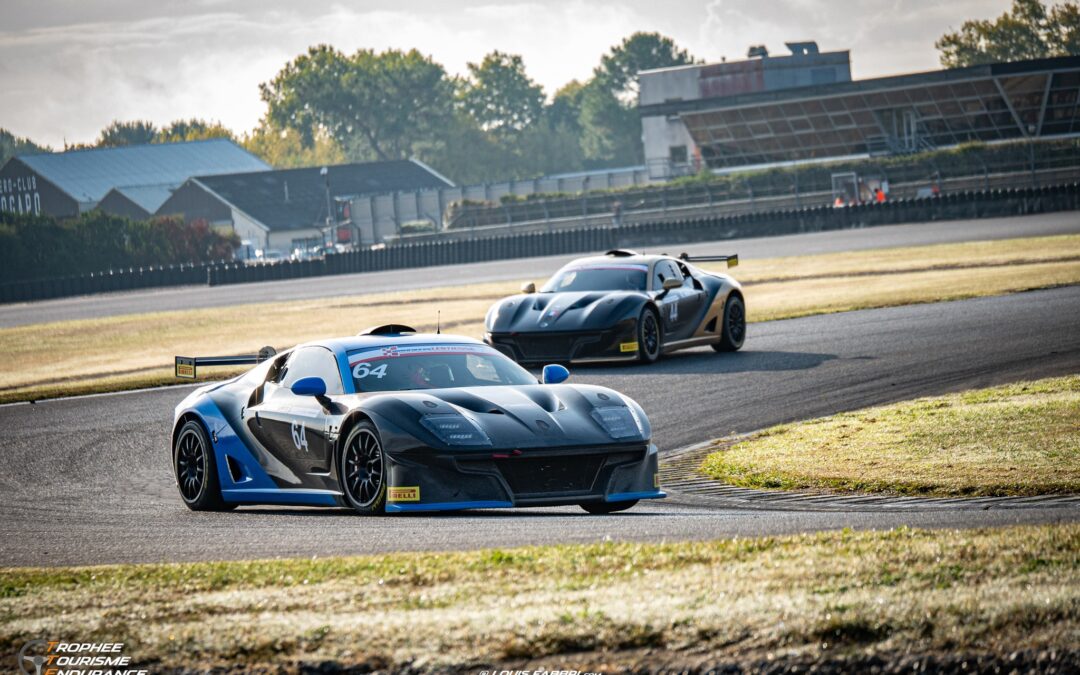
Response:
column 612, row 277
column 436, row 366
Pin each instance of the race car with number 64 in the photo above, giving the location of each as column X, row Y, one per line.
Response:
column 394, row 421
column 621, row 306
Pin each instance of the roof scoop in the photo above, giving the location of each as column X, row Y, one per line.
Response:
column 388, row 329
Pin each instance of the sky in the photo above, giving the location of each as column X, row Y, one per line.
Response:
column 70, row 67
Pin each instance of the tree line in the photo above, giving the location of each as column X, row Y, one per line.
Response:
column 37, row 247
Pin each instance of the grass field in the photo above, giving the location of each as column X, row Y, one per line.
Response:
column 838, row 594
column 1018, row 439
column 125, row 352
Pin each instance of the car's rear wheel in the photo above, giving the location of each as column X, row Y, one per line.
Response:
column 733, row 332
column 362, row 469
column 603, row 508
column 196, row 470
column 650, row 336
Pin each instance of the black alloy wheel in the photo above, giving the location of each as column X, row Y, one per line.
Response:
column 196, row 470
column 650, row 336
column 363, row 469
column 734, row 325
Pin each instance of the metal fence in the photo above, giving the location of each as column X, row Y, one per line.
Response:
column 951, row 206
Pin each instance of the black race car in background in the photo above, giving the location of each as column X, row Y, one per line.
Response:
column 621, row 306
column 394, row 421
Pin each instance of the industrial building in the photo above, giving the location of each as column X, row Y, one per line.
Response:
column 131, row 180
column 728, row 115
column 296, row 208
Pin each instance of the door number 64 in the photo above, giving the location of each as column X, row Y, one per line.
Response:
column 299, row 436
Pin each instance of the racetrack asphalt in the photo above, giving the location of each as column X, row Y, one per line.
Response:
column 191, row 297
column 88, row 480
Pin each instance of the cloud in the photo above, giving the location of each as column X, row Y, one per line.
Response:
column 68, row 69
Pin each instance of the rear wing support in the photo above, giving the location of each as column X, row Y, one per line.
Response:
column 187, row 366
column 731, row 260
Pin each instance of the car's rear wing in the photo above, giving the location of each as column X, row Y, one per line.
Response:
column 731, row 260
column 187, row 366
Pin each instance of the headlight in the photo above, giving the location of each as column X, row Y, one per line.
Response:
column 619, row 421
column 455, row 429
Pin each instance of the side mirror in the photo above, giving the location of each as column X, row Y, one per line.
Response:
column 554, row 374
column 529, row 287
column 309, row 386
column 671, row 284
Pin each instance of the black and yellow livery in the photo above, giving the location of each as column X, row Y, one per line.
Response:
column 621, row 306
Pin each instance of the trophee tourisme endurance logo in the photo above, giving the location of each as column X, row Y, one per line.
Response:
column 53, row 657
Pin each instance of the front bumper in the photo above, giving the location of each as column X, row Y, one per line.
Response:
column 433, row 481
column 618, row 343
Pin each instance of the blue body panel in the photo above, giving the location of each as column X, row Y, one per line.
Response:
column 254, row 486
column 628, row 496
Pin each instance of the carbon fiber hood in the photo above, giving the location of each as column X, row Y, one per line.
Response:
column 567, row 311
column 512, row 417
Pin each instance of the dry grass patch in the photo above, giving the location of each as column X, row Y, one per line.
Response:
column 111, row 353
column 1018, row 439
column 982, row 591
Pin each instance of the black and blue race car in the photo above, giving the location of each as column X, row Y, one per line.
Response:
column 394, row 421
column 621, row 306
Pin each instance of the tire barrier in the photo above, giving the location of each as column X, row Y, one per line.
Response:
column 953, row 206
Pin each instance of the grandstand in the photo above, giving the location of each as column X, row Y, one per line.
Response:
column 792, row 121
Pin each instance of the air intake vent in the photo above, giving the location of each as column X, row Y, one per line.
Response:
column 388, row 329
column 621, row 253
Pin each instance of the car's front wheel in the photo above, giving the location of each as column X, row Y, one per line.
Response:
column 733, row 328
column 362, row 469
column 603, row 508
column 196, row 470
column 650, row 336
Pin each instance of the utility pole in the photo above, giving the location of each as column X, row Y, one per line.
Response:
column 328, row 236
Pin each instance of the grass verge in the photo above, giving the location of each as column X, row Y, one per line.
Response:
column 1018, row 439
column 813, row 596
column 127, row 352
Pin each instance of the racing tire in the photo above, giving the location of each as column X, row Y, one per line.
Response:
column 362, row 470
column 650, row 336
column 604, row 508
column 195, row 468
column 733, row 325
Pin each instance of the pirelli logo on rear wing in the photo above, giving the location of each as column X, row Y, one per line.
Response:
column 731, row 260
column 187, row 367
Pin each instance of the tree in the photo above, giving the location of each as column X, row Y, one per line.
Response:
column 565, row 108
column 500, row 96
column 119, row 134
column 12, row 145
column 193, row 129
column 611, row 128
column 619, row 68
column 390, row 105
column 1027, row 31
column 283, row 148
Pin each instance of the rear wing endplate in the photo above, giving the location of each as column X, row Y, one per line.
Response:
column 187, row 366
column 731, row 260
